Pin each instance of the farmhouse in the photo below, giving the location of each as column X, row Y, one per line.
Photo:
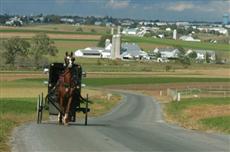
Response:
column 132, row 51
column 168, row 53
column 15, row 21
column 89, row 52
column 67, row 20
column 189, row 38
column 130, row 31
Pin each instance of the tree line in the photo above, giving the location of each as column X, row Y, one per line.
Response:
column 18, row 52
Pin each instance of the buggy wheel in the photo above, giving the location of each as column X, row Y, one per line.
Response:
column 86, row 112
column 39, row 110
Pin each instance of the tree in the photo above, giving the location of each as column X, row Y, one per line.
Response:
column 182, row 50
column 101, row 43
column 42, row 45
column 192, row 55
column 13, row 47
column 185, row 60
column 52, row 19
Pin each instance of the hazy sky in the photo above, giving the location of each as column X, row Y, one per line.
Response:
column 199, row 10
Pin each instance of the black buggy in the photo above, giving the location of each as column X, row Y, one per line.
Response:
column 50, row 102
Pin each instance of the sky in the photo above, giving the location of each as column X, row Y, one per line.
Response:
column 165, row 10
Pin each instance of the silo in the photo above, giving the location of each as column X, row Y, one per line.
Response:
column 113, row 47
column 112, row 31
column 107, row 42
column 118, row 46
column 119, row 30
column 174, row 34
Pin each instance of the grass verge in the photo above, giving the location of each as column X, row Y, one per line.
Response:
column 217, row 123
column 12, row 113
column 203, row 113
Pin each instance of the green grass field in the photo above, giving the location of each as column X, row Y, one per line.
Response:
column 148, row 80
column 176, row 43
column 176, row 110
column 97, row 82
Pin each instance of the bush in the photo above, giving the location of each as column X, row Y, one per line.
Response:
column 99, row 62
column 185, row 61
column 168, row 68
column 93, row 30
column 79, row 29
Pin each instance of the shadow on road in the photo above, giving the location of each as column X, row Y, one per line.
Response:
column 76, row 124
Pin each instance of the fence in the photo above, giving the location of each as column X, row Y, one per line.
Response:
column 195, row 92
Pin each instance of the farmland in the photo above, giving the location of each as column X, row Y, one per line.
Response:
column 19, row 89
column 57, row 29
column 93, row 33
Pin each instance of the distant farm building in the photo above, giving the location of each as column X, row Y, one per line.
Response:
column 89, row 52
column 168, row 53
column 15, row 21
column 132, row 51
column 189, row 38
column 131, row 31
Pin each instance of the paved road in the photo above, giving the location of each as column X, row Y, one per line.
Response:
column 135, row 125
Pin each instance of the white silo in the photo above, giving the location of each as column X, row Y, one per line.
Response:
column 112, row 31
column 107, row 42
column 175, row 34
column 116, row 46
column 113, row 47
column 119, row 30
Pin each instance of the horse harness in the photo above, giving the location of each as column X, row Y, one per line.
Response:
column 68, row 86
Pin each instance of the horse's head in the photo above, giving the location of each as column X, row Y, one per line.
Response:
column 69, row 59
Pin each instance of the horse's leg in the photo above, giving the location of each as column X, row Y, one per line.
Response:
column 60, row 118
column 66, row 118
column 61, row 112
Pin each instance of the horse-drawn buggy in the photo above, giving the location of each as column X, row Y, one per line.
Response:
column 64, row 92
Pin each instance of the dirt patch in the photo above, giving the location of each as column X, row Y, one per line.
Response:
column 68, row 44
column 207, row 111
column 16, row 76
column 30, row 92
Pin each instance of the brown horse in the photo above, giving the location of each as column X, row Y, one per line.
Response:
column 65, row 89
